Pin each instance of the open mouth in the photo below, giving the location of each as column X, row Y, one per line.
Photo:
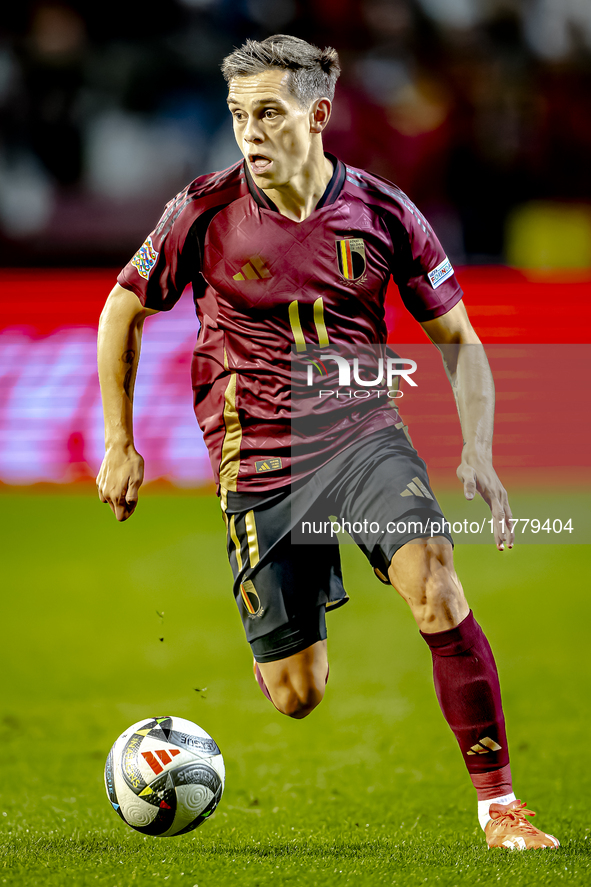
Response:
column 259, row 163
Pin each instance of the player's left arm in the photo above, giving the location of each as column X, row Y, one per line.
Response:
column 471, row 380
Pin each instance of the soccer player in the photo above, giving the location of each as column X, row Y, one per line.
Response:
column 290, row 252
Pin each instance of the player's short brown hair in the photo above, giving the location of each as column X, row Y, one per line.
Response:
column 314, row 72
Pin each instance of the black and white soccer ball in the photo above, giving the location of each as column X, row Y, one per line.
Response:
column 164, row 776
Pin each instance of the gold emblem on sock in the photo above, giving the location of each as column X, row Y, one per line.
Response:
column 484, row 746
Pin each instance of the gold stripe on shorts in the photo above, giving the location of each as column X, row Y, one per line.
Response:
column 235, row 540
column 251, row 535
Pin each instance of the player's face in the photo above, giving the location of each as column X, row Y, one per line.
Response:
column 273, row 131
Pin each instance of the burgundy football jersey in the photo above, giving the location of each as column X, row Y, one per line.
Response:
column 267, row 288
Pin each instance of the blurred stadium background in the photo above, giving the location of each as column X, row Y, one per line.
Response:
column 479, row 109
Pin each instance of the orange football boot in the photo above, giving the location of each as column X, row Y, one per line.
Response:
column 509, row 828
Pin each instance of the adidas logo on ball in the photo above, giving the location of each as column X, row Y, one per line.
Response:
column 164, row 776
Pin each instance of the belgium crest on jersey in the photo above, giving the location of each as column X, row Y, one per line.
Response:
column 351, row 257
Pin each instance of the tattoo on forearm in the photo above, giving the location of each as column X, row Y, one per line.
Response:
column 128, row 357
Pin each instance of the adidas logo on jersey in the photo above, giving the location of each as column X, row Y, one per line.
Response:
column 417, row 488
column 254, row 269
column 268, row 465
column 484, row 746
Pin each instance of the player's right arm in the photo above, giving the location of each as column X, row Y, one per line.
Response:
column 118, row 353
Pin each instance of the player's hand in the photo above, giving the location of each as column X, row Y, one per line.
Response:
column 120, row 479
column 478, row 476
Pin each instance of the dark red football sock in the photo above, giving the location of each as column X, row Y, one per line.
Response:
column 467, row 687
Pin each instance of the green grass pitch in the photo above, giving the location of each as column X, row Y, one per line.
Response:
column 369, row 790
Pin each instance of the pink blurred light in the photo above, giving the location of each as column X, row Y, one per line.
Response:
column 51, row 426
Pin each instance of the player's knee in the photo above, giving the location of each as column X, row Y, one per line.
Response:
column 297, row 700
column 296, row 684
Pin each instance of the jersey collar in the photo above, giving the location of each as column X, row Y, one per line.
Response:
column 332, row 191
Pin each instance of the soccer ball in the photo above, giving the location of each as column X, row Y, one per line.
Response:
column 164, row 776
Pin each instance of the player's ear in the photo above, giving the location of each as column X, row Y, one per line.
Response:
column 320, row 115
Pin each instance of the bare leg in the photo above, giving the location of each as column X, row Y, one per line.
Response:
column 296, row 684
column 423, row 573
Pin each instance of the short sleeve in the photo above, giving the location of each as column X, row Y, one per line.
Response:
column 162, row 267
column 422, row 271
